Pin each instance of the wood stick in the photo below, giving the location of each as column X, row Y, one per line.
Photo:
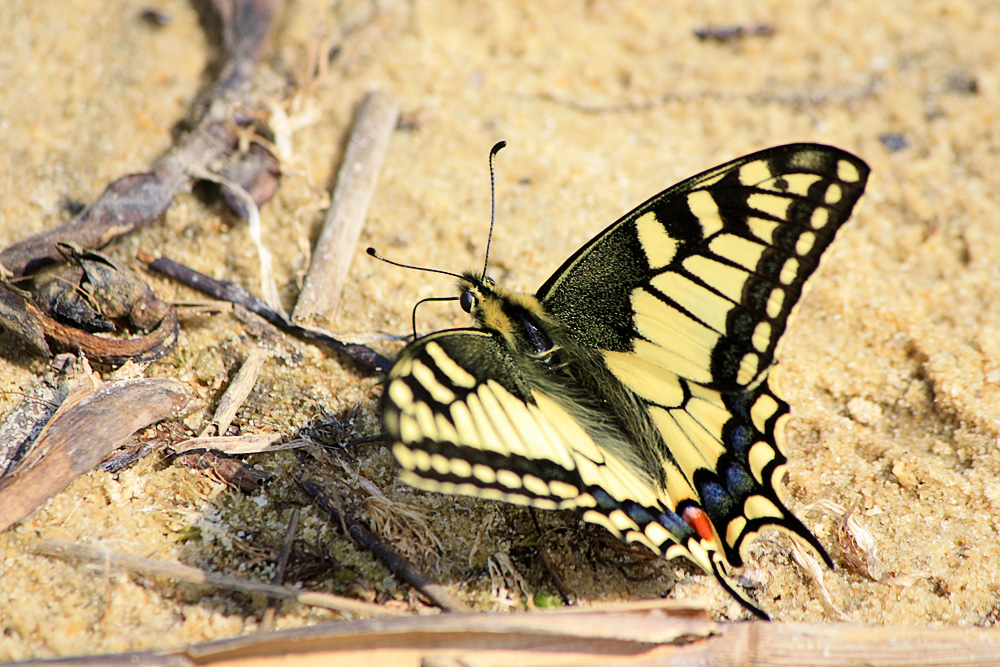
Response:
column 237, row 392
column 194, row 575
column 223, row 290
column 320, row 298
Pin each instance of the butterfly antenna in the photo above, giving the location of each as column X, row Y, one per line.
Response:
column 374, row 253
column 413, row 314
column 493, row 201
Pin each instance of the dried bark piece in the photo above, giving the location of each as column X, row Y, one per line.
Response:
column 232, row 471
column 258, row 172
column 20, row 317
column 92, row 422
column 127, row 204
column 236, row 393
column 114, row 352
column 95, row 289
column 22, row 425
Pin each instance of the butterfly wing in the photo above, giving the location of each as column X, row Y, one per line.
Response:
column 468, row 417
column 686, row 299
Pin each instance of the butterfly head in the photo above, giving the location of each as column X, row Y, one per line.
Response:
column 477, row 296
column 518, row 317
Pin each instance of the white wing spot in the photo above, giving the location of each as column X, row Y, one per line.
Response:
column 484, row 473
column 738, row 250
column 762, row 229
column 659, row 246
column 594, row 516
column 761, row 454
column 762, row 410
column 400, row 394
column 704, row 207
column 535, row 485
column 449, row 366
column 819, row 219
column 404, row 455
column 563, row 490
column 726, row 279
column 441, row 464
column 657, row 534
column 461, row 468
column 754, row 173
column 734, row 530
column 773, row 205
column 409, row 430
column 425, row 376
column 622, row 521
column 509, row 479
column 426, row 421
column 799, row 184
column 421, row 460
column 758, row 507
column 749, row 365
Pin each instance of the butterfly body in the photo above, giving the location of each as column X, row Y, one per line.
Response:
column 633, row 386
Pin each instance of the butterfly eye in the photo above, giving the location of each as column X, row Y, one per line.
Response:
column 467, row 301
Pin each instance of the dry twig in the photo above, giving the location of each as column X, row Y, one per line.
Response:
column 194, row 575
column 365, row 357
column 398, row 565
column 267, row 623
column 366, row 148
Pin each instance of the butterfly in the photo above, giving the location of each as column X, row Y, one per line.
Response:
column 633, row 386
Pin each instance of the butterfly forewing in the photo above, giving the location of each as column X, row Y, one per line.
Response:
column 702, row 278
column 651, row 413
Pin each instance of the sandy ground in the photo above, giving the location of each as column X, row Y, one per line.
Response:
column 892, row 366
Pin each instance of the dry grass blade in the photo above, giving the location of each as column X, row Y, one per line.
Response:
column 657, row 633
column 267, row 623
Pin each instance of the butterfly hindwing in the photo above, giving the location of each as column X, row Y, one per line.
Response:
column 468, row 418
column 634, row 386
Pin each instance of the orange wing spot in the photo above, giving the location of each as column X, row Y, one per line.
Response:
column 697, row 519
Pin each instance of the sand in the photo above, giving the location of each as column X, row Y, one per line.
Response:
column 892, row 366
